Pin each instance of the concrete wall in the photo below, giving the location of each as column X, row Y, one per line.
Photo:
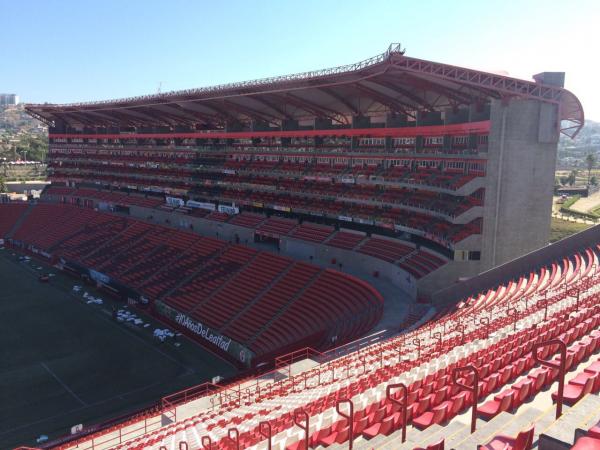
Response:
column 351, row 261
column 447, row 275
column 520, row 180
column 205, row 227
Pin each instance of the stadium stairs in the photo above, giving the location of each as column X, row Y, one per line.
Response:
column 480, row 352
column 12, row 217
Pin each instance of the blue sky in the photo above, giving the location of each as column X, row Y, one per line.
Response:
column 66, row 51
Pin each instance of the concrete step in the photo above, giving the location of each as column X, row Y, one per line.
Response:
column 416, row 437
column 560, row 434
column 463, row 439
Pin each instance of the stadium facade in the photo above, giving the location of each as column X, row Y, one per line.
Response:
column 452, row 167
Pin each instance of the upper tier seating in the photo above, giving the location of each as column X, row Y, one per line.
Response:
column 417, row 263
column 254, row 296
column 501, row 351
column 431, row 225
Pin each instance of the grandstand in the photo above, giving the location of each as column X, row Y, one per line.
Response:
column 440, row 158
column 496, row 356
column 240, row 215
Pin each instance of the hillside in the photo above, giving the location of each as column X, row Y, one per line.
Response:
column 21, row 136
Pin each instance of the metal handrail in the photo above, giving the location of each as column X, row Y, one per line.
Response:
column 235, row 438
column 474, row 389
column 417, row 342
column 562, row 347
column 305, row 427
column 403, row 404
column 349, row 417
column 268, row 434
column 514, row 313
column 206, row 442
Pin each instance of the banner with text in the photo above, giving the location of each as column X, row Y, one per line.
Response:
column 231, row 210
column 201, row 205
column 228, row 345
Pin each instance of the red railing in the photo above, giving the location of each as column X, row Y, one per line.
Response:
column 562, row 347
column 474, row 388
column 298, row 415
column 189, row 394
column 295, row 356
column 349, row 417
column 403, row 404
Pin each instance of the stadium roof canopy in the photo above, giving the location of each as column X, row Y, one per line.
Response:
column 389, row 82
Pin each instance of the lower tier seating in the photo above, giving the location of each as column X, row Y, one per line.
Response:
column 9, row 214
column 256, row 297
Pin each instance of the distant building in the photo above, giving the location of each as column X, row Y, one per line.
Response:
column 9, row 99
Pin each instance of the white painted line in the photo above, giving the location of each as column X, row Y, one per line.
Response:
column 63, row 384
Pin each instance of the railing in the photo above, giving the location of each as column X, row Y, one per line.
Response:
column 403, row 405
column 349, row 417
column 298, row 355
column 473, row 388
column 300, row 414
column 190, row 394
column 562, row 347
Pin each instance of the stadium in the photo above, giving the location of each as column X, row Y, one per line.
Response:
column 354, row 257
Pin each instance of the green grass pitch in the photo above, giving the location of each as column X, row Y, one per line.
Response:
column 65, row 362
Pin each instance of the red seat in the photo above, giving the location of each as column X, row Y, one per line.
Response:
column 436, row 415
column 385, row 427
column 586, row 443
column 582, row 378
column 594, row 431
column 539, row 378
column 298, row 445
column 455, row 405
column 523, row 441
column 439, row 445
column 522, row 392
column 317, row 435
column 335, row 437
column 575, row 392
column 360, row 425
column 502, row 402
column 595, row 367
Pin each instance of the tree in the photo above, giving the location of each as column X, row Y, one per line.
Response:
column 2, row 185
column 564, row 180
column 594, row 181
column 590, row 162
column 35, row 147
column 572, row 177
